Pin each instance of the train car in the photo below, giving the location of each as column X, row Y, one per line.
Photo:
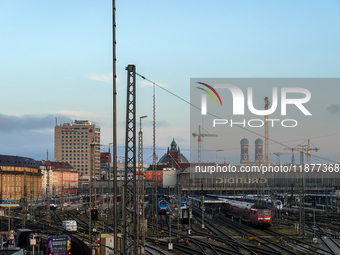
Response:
column 267, row 202
column 53, row 207
column 163, row 207
column 185, row 214
column 69, row 225
column 59, row 245
column 248, row 212
column 184, row 201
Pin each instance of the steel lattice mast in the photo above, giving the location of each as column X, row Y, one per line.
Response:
column 140, row 211
column 130, row 195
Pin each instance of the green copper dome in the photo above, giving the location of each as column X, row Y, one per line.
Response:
column 244, row 141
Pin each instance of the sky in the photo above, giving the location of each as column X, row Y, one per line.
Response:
column 56, row 61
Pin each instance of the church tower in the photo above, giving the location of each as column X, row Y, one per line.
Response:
column 244, row 151
column 258, row 150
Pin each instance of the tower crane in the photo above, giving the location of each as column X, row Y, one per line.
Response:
column 306, row 148
column 200, row 135
column 278, row 154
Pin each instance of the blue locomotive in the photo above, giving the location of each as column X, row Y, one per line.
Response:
column 163, row 207
column 184, row 201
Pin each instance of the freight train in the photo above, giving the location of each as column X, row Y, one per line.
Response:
column 247, row 212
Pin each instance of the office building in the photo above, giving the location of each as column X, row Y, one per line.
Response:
column 78, row 144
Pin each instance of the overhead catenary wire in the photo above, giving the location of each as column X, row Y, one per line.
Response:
column 272, row 140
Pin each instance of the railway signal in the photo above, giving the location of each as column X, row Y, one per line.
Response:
column 94, row 214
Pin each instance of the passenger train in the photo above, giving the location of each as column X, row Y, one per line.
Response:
column 266, row 201
column 163, row 207
column 59, row 245
column 247, row 212
column 184, row 201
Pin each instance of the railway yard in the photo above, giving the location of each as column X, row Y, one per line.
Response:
column 190, row 232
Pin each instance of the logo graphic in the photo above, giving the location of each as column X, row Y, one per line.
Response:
column 204, row 97
column 299, row 98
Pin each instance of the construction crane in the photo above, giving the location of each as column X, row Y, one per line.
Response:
column 266, row 133
column 278, row 154
column 200, row 135
column 303, row 148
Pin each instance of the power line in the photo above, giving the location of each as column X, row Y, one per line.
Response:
column 198, row 108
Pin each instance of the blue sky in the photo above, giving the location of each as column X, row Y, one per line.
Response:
column 56, row 60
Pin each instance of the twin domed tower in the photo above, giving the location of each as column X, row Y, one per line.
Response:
column 245, row 151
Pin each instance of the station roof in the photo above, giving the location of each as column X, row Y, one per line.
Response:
column 208, row 200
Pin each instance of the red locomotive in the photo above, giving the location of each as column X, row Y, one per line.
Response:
column 248, row 212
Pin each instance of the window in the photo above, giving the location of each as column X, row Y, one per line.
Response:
column 159, row 178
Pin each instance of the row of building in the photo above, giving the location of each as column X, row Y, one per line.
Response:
column 20, row 176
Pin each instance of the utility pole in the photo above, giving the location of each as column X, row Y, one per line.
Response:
column 91, row 189
column 178, row 202
column 115, row 181
column 32, row 198
column 266, row 132
column 140, row 211
column 202, row 206
column 25, row 200
column 48, row 194
column 154, row 162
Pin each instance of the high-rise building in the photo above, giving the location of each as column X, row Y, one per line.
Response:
column 78, row 144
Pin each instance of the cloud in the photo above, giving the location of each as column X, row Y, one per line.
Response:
column 9, row 123
column 333, row 109
column 147, row 83
column 80, row 115
column 107, row 78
